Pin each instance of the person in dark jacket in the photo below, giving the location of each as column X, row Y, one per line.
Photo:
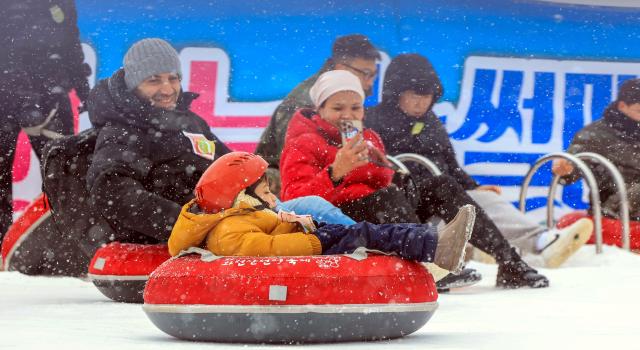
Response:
column 41, row 61
column 151, row 149
column 356, row 177
column 406, row 122
column 616, row 136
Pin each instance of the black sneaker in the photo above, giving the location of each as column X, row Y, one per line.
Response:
column 467, row 277
column 516, row 273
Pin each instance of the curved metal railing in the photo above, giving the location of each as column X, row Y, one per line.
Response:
column 398, row 164
column 588, row 176
column 622, row 190
column 620, row 185
column 424, row 161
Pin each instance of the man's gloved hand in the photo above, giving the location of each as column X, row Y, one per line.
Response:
column 31, row 116
column 31, row 113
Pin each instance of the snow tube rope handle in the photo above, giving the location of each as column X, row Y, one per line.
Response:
column 359, row 254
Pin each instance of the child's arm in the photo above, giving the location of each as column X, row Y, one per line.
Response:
column 241, row 240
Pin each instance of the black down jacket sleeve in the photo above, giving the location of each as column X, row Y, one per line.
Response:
column 455, row 170
column 116, row 181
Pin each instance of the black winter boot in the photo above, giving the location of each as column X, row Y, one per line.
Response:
column 515, row 273
column 467, row 277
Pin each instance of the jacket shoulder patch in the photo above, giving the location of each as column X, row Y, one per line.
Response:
column 57, row 14
column 201, row 145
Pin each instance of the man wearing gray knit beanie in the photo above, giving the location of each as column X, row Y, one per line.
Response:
column 152, row 72
column 148, row 150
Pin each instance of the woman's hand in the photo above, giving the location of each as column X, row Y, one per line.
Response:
column 353, row 154
column 378, row 156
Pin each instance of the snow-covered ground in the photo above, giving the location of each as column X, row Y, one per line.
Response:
column 593, row 303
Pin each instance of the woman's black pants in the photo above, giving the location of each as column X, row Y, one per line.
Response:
column 438, row 196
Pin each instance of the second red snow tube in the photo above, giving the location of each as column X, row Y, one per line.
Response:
column 611, row 229
column 289, row 299
column 37, row 216
column 120, row 270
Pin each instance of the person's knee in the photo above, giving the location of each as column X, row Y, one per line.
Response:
column 446, row 180
column 318, row 198
column 485, row 196
column 445, row 186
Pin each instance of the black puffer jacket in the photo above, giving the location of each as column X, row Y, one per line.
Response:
column 617, row 138
column 40, row 50
column 144, row 168
column 424, row 135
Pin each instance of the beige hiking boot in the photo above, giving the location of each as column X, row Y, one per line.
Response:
column 452, row 240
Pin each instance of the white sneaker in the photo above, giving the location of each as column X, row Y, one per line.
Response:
column 563, row 243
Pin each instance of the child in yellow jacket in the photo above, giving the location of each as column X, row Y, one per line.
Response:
column 231, row 215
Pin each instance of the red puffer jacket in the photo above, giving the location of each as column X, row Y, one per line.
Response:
column 310, row 147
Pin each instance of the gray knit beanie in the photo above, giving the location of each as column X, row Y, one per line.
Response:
column 148, row 57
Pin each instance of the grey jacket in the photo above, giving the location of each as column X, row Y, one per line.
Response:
column 617, row 138
column 272, row 139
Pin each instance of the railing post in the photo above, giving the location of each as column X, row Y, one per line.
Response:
column 401, row 167
column 416, row 158
column 622, row 190
column 588, row 176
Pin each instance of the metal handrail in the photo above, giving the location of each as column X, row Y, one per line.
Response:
column 401, row 167
column 416, row 158
column 620, row 184
column 588, row 176
column 622, row 190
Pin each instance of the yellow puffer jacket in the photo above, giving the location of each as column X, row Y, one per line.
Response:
column 241, row 231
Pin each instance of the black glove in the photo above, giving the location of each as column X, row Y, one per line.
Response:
column 80, row 83
column 30, row 112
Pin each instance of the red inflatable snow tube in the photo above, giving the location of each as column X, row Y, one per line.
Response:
column 330, row 298
column 34, row 215
column 120, row 270
column 611, row 229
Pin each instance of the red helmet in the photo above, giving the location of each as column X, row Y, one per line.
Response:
column 226, row 177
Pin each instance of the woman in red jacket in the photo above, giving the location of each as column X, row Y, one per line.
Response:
column 357, row 178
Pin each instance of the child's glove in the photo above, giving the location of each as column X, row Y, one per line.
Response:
column 306, row 221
